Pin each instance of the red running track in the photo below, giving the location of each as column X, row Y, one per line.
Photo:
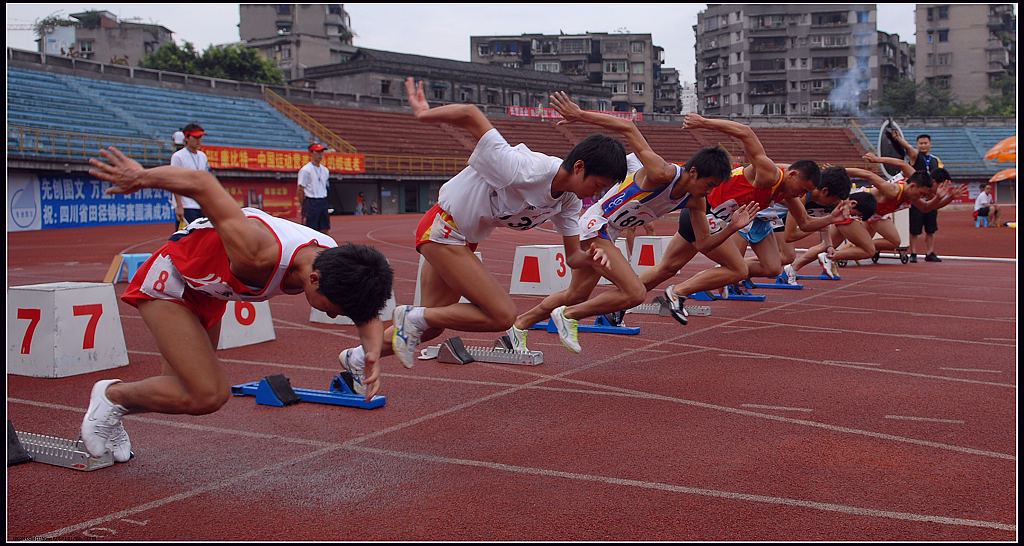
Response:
column 878, row 407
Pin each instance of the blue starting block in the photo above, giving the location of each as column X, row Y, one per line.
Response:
column 275, row 390
column 732, row 292
column 600, row 326
column 780, row 282
column 820, row 277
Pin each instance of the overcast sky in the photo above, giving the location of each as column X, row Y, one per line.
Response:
column 437, row 30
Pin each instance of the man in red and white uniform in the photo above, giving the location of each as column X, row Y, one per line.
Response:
column 653, row 190
column 763, row 182
column 182, row 292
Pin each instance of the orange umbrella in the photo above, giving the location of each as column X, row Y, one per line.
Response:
column 1004, row 151
column 1004, row 174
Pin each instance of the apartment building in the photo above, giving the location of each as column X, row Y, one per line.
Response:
column 100, row 36
column 629, row 65
column 965, row 48
column 297, row 36
column 786, row 59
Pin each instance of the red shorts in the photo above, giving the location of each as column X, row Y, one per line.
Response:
column 158, row 279
column 438, row 226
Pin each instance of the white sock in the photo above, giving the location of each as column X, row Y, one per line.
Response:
column 358, row 356
column 417, row 319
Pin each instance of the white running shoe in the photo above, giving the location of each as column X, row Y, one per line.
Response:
column 355, row 368
column 406, row 336
column 790, row 274
column 102, row 430
column 675, row 305
column 567, row 329
column 518, row 338
column 828, row 266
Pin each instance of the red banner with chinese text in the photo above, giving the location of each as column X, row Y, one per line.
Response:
column 254, row 159
column 551, row 113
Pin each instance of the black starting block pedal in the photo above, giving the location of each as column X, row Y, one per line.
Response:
column 280, row 394
column 16, row 454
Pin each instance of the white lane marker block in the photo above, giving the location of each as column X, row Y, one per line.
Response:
column 246, row 323
column 648, row 251
column 539, row 270
column 63, row 328
column 316, row 315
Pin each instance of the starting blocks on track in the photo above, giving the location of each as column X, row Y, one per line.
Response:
column 276, row 390
column 600, row 326
column 53, row 451
column 453, row 351
column 820, row 277
column 731, row 292
column 660, row 307
column 780, row 282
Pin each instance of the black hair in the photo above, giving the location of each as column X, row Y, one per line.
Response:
column 192, row 127
column 923, row 135
column 837, row 181
column 356, row 278
column 809, row 170
column 921, row 178
column 711, row 161
column 940, row 174
column 602, row 155
column 864, row 203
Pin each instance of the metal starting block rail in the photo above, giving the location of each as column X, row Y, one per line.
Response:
column 821, row 277
column 453, row 351
column 62, row 452
column 660, row 307
column 276, row 390
column 600, row 326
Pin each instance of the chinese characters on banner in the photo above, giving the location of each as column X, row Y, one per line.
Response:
column 551, row 113
column 81, row 201
column 253, row 159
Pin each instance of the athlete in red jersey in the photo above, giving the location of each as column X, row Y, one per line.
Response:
column 229, row 255
column 763, row 182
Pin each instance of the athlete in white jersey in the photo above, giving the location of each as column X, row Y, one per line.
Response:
column 503, row 186
column 652, row 191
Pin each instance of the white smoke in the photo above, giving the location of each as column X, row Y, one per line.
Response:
column 845, row 95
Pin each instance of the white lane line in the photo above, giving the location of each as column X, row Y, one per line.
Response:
column 971, row 370
column 777, row 408
column 928, row 419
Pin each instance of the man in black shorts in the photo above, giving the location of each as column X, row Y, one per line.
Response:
column 922, row 159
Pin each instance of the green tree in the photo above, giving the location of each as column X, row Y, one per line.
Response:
column 233, row 62
column 907, row 98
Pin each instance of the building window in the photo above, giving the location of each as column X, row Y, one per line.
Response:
column 618, row 88
column 574, row 45
column 492, row 96
column 516, row 100
column 615, row 67
column 483, row 50
column 711, row 101
column 284, row 9
column 638, row 88
column 547, row 66
column 638, row 68
column 85, row 46
column 385, row 87
column 636, row 47
column 439, row 93
column 334, row 9
column 284, row 28
column 944, row 35
column 943, row 12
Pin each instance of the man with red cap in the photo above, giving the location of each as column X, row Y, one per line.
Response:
column 190, row 157
column 313, row 182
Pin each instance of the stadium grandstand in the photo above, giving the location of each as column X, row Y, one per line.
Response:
column 60, row 111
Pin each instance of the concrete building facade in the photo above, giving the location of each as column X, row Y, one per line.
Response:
column 629, row 65
column 786, row 59
column 100, row 36
column 297, row 36
column 965, row 48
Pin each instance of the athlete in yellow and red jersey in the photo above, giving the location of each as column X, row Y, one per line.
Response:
column 763, row 182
